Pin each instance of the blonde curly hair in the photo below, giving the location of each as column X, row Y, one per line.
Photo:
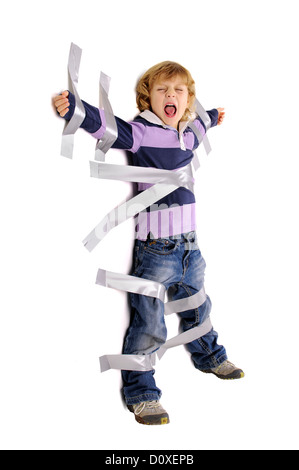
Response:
column 165, row 70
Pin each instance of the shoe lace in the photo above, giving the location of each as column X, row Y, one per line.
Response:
column 149, row 404
column 226, row 365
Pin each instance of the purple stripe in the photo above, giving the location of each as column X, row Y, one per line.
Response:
column 199, row 126
column 144, row 186
column 156, row 137
column 138, row 130
column 101, row 131
column 167, row 222
column 189, row 141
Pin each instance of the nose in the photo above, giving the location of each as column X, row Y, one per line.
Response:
column 170, row 92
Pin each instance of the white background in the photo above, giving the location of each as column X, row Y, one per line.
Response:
column 55, row 322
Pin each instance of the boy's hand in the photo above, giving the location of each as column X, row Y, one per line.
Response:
column 61, row 103
column 221, row 116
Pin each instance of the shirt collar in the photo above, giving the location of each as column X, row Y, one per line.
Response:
column 154, row 119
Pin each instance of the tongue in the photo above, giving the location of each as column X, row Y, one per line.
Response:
column 170, row 110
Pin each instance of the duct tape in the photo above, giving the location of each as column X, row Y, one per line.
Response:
column 127, row 283
column 138, row 203
column 186, row 337
column 195, row 161
column 67, row 144
column 207, row 123
column 207, row 145
column 152, row 289
column 145, row 362
column 203, row 115
column 149, row 288
column 188, row 303
column 125, row 211
column 137, row 174
column 136, row 362
column 111, row 133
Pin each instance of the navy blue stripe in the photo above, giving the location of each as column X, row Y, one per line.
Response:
column 164, row 158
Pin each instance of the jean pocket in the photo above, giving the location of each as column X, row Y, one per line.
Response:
column 160, row 246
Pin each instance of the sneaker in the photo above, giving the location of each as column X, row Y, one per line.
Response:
column 149, row 412
column 226, row 371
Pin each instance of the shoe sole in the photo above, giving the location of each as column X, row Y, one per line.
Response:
column 150, row 421
column 225, row 377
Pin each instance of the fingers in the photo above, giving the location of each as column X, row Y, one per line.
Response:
column 221, row 115
column 62, row 107
column 62, row 103
column 221, row 118
column 64, row 112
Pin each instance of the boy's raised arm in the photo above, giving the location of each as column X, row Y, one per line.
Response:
column 65, row 105
column 95, row 122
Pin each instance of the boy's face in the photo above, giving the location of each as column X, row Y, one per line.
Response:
column 169, row 99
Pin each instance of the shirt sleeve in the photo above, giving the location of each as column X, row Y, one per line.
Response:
column 129, row 134
column 213, row 114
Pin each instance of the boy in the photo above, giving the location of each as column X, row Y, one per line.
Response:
column 167, row 253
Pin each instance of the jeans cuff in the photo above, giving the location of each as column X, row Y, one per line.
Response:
column 212, row 363
column 141, row 398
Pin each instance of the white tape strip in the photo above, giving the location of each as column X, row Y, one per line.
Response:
column 136, row 205
column 207, row 122
column 67, row 143
column 127, row 283
column 125, row 211
column 137, row 362
column 186, row 337
column 195, row 161
column 137, row 174
column 188, row 303
column 111, row 132
column 203, row 115
column 147, row 362
column 149, row 288
column 153, row 289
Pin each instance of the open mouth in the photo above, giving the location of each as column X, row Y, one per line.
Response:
column 170, row 110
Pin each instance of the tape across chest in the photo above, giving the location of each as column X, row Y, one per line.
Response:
column 164, row 182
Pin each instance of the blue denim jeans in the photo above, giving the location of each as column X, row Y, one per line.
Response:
column 177, row 263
